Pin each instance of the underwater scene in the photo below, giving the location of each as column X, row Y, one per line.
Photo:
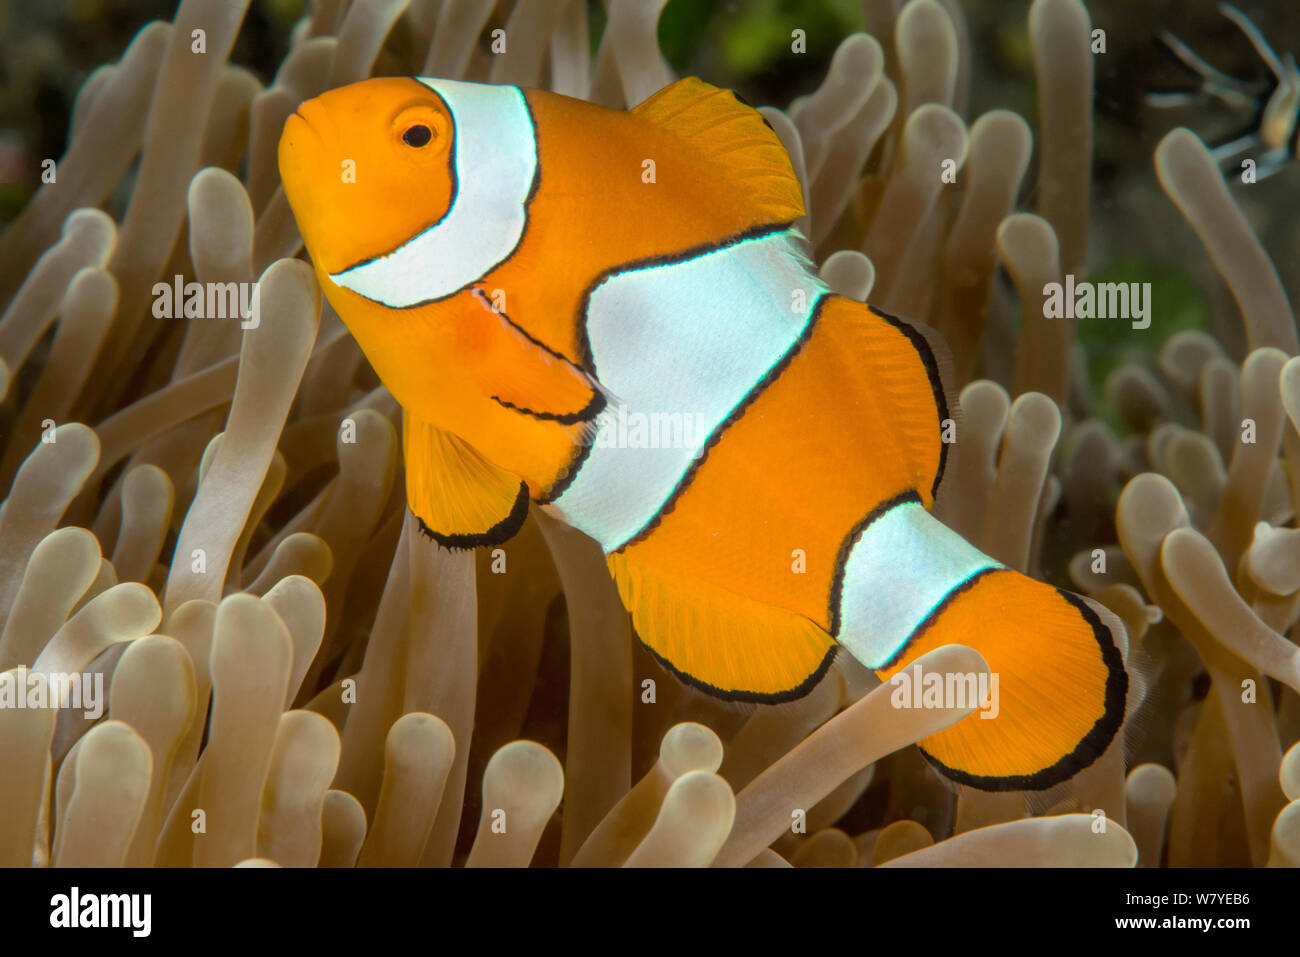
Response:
column 649, row 433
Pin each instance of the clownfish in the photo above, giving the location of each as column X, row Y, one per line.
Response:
column 529, row 273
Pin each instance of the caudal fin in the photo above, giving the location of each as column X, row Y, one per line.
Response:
column 909, row 584
column 1060, row 689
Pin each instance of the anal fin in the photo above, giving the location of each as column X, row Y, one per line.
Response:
column 723, row 643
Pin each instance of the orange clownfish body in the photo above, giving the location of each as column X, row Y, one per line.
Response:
column 610, row 314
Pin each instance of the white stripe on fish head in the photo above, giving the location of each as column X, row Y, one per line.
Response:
column 494, row 162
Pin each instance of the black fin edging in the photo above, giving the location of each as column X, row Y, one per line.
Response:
column 1090, row 747
column 502, row 531
column 749, row 697
column 585, row 414
column 936, row 384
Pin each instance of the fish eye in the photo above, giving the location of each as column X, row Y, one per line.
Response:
column 417, row 135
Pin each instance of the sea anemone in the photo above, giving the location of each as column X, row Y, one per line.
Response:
column 209, row 514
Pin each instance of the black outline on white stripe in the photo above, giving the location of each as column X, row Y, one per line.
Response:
column 836, row 597
column 669, row 259
column 731, row 418
column 485, row 301
column 451, row 203
column 528, row 200
column 570, row 473
column 841, row 566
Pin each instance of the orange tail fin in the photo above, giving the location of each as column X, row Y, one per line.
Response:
column 1058, row 690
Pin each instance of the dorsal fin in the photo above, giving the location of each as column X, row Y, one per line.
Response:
column 733, row 135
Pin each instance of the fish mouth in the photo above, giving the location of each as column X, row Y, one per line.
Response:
column 297, row 119
column 298, row 147
column 314, row 116
column 295, row 155
column 299, row 130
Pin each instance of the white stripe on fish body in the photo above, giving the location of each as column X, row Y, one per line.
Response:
column 693, row 338
column 902, row 567
column 495, row 164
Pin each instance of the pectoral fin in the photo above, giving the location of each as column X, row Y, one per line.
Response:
column 461, row 499
column 527, row 376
